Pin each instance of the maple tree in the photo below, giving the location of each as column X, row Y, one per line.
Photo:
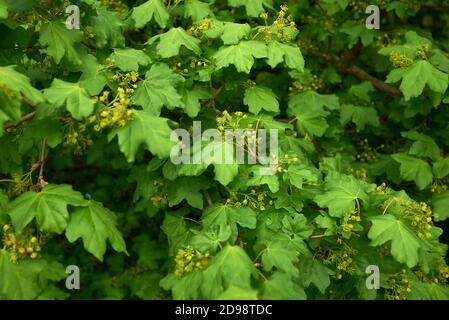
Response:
column 86, row 118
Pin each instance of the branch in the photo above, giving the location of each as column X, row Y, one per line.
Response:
column 28, row 102
column 41, row 179
column 18, row 122
column 208, row 198
column 214, row 96
column 356, row 71
column 25, row 118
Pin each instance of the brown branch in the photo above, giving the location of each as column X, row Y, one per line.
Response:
column 320, row 236
column 28, row 102
column 41, row 180
column 208, row 198
column 356, row 71
column 18, row 122
column 211, row 101
column 25, row 118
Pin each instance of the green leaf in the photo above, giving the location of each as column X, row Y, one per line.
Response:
column 237, row 293
column 3, row 205
column 210, row 240
column 282, row 254
column 253, row 7
column 297, row 174
column 259, row 179
column 441, row 168
column 60, row 42
column 20, row 83
column 428, row 291
column 440, row 205
column 420, row 74
column 229, row 32
column 49, row 207
column 362, row 91
column 361, row 116
column 342, row 194
column 3, row 9
column 158, row 89
column 282, row 286
column 308, row 108
column 225, row 173
column 357, row 31
column 108, row 29
column 72, row 95
column 414, row 169
column 223, row 214
column 145, row 129
column 258, row 98
column 240, row 55
column 94, row 76
column 197, row 10
column 37, row 130
column 152, row 9
column 171, row 41
column 188, row 287
column 424, row 146
column 96, row 225
column 230, row 267
column 325, row 222
column 188, row 188
column 175, row 227
column 311, row 270
column 129, row 59
column 404, row 242
column 191, row 100
column 279, row 52
column 16, row 281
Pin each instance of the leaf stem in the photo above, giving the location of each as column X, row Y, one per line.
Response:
column 41, row 180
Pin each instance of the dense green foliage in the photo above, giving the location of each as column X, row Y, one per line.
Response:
column 85, row 175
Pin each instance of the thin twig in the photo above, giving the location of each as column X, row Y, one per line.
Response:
column 356, row 71
column 320, row 236
column 41, row 179
column 208, row 198
column 28, row 102
column 18, row 122
column 211, row 101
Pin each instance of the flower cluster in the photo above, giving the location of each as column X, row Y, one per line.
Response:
column 348, row 218
column 366, row 153
column 386, row 39
column 283, row 162
column 76, row 135
column 383, row 189
column 418, row 214
column 116, row 112
column 160, row 197
column 399, row 286
column 21, row 246
column 438, row 187
column 115, row 5
column 258, row 200
column 198, row 62
column 399, row 60
column 231, row 121
column 314, row 84
column 284, row 25
column 198, row 28
column 46, row 11
column 190, row 259
column 422, row 51
column 341, row 259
